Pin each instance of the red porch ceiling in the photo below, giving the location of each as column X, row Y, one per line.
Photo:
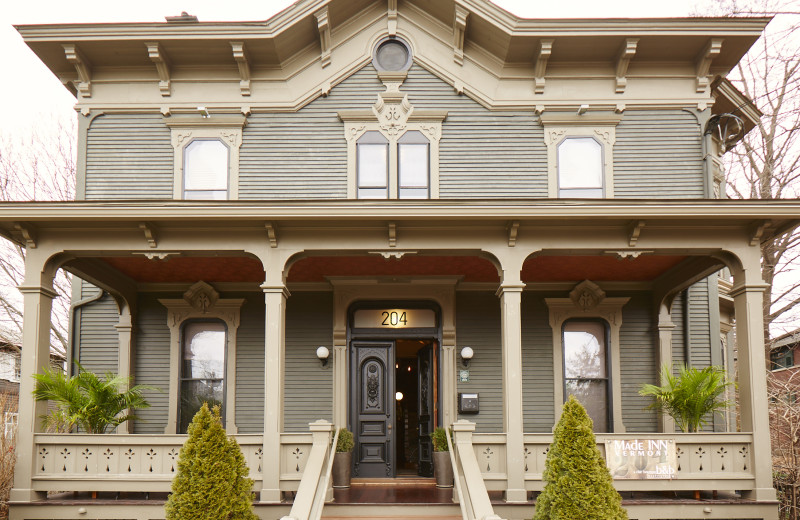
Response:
column 596, row 268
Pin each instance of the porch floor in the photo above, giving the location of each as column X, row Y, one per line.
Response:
column 402, row 490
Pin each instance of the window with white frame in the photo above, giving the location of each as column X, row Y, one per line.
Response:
column 10, row 366
column 580, row 152
column 372, row 167
column 10, row 420
column 393, row 168
column 586, row 368
column 202, row 379
column 413, row 165
column 206, row 170
column 206, row 156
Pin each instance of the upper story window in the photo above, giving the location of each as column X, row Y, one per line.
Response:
column 10, row 366
column 781, row 358
column 580, row 168
column 413, row 165
column 393, row 168
column 202, row 368
column 372, row 150
column 586, row 368
column 206, row 156
column 205, row 170
column 580, row 154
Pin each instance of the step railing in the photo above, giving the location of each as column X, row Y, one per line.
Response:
column 314, row 486
column 470, row 487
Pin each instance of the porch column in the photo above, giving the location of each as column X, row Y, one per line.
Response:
column 665, row 327
column 37, row 306
column 340, row 381
column 510, row 302
column 124, row 364
column 748, row 301
column 274, row 335
column 449, row 372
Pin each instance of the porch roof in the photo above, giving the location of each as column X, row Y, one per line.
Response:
column 19, row 220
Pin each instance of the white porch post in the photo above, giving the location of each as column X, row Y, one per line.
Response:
column 274, row 338
column 124, row 363
column 510, row 303
column 665, row 327
column 748, row 301
column 38, row 294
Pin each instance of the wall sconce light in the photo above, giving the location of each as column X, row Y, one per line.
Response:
column 466, row 356
column 323, row 354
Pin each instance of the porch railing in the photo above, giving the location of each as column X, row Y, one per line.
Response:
column 314, row 488
column 705, row 461
column 473, row 497
column 144, row 463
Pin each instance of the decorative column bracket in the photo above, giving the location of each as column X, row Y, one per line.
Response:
column 272, row 233
column 149, row 231
column 83, row 68
column 27, row 232
column 392, row 18
column 545, row 49
column 634, row 232
column 703, row 63
column 626, row 53
column 324, row 26
column 459, row 29
column 243, row 61
column 513, row 230
column 162, row 62
column 758, row 230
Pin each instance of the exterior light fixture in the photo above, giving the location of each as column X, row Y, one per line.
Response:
column 323, row 354
column 398, row 396
column 727, row 128
column 466, row 356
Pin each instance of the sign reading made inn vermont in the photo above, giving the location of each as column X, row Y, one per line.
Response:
column 641, row 458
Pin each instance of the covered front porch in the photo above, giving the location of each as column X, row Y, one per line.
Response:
column 503, row 281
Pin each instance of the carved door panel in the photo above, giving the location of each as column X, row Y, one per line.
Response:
column 425, row 409
column 372, row 391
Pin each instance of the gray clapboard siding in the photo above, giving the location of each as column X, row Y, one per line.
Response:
column 658, row 154
column 537, row 365
column 250, row 364
column 638, row 361
column 129, row 156
column 679, row 332
column 482, row 153
column 151, row 361
column 308, row 386
column 699, row 324
column 97, row 340
column 478, row 326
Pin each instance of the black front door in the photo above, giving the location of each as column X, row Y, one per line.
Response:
column 425, row 408
column 372, row 366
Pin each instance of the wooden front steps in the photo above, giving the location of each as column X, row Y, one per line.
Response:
column 392, row 499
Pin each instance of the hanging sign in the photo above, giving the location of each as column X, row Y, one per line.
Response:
column 642, row 459
column 394, row 318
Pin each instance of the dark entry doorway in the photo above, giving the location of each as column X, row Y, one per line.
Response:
column 413, row 407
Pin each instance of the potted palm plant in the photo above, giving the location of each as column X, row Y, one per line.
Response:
column 690, row 396
column 442, row 466
column 343, row 459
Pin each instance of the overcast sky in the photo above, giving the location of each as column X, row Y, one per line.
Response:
column 29, row 93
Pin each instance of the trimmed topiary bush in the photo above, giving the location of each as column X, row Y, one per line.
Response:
column 345, row 442
column 212, row 475
column 577, row 481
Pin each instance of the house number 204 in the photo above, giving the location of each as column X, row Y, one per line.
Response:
column 394, row 318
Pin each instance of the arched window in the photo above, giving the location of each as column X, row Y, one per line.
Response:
column 580, row 168
column 586, row 369
column 206, row 167
column 202, row 370
column 413, row 165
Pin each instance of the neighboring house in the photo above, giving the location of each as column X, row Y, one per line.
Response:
column 395, row 182
column 784, row 354
column 9, row 384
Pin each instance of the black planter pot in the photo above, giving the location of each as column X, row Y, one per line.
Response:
column 342, row 463
column 442, row 469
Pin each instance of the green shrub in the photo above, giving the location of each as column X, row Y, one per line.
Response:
column 577, row 481
column 439, row 440
column 345, row 442
column 212, row 475
column 690, row 396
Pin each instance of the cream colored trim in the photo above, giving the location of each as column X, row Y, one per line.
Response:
column 587, row 300
column 162, row 63
column 600, row 127
column 202, row 301
column 226, row 128
column 392, row 116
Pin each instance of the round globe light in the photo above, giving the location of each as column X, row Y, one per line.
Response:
column 467, row 353
column 398, row 396
column 323, row 353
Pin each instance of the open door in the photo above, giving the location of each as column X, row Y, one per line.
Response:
column 425, row 407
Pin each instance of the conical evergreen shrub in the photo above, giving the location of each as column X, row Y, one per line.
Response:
column 212, row 482
column 577, row 482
